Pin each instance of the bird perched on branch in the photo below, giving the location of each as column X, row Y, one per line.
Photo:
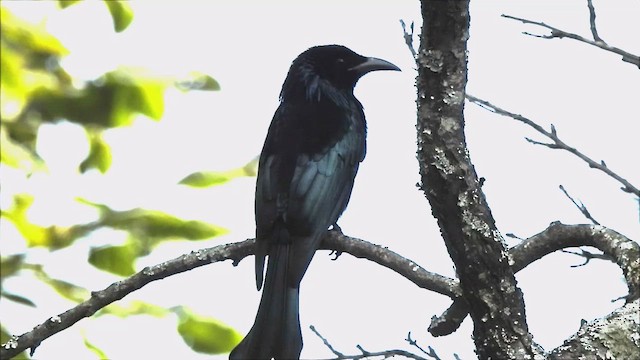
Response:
column 307, row 167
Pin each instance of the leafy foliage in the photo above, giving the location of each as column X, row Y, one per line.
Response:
column 205, row 334
column 213, row 178
column 36, row 89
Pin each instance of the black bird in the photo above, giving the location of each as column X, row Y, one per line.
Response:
column 310, row 157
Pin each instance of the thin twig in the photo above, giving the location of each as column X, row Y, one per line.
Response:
column 592, row 22
column 408, row 38
column 557, row 143
column 557, row 33
column 587, row 255
column 326, row 342
column 582, row 207
column 383, row 354
column 432, row 353
column 365, row 354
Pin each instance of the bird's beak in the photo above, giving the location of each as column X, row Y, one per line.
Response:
column 373, row 64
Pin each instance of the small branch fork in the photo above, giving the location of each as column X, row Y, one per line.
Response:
column 616, row 247
column 597, row 42
column 552, row 134
column 408, row 38
column 587, row 255
column 383, row 354
column 592, row 22
column 582, row 207
column 557, row 143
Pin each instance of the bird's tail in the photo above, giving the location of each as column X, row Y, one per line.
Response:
column 276, row 331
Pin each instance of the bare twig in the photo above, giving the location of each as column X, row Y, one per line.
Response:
column 557, row 143
column 592, row 22
column 582, row 207
column 432, row 353
column 326, row 342
column 408, row 38
column 365, row 354
column 557, row 33
column 382, row 354
column 587, row 255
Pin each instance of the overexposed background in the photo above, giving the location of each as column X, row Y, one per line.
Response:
column 589, row 95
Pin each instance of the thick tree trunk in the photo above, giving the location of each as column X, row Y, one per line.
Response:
column 449, row 181
column 451, row 185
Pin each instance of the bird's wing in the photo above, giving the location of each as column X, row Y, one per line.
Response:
column 305, row 188
column 320, row 190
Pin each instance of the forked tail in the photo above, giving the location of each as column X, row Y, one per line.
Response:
column 276, row 331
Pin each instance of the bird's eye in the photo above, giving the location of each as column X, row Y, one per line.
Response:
column 340, row 61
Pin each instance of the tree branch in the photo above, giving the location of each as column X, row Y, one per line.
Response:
column 557, row 142
column 334, row 240
column 605, row 336
column 617, row 247
column 624, row 251
column 557, row 33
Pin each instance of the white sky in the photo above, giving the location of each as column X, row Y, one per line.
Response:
column 589, row 95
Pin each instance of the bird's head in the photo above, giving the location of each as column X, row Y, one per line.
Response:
column 321, row 71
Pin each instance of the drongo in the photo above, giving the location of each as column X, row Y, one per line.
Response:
column 310, row 157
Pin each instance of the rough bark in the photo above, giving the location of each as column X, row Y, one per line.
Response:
column 616, row 336
column 615, row 246
column 451, row 185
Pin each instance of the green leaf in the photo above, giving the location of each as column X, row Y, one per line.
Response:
column 63, row 4
column 150, row 227
column 212, row 178
column 28, row 37
column 15, row 154
column 66, row 289
column 26, row 51
column 148, row 98
column 135, row 307
column 12, row 84
column 156, row 224
column 121, row 14
column 205, row 334
column 35, row 235
column 206, row 178
column 52, row 237
column 117, row 260
column 112, row 100
column 198, row 81
column 9, row 265
column 17, row 298
column 94, row 349
column 99, row 154
column 133, row 92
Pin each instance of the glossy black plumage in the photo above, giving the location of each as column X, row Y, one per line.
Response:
column 307, row 167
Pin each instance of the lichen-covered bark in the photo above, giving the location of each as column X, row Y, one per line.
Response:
column 450, row 183
column 615, row 337
column 617, row 247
